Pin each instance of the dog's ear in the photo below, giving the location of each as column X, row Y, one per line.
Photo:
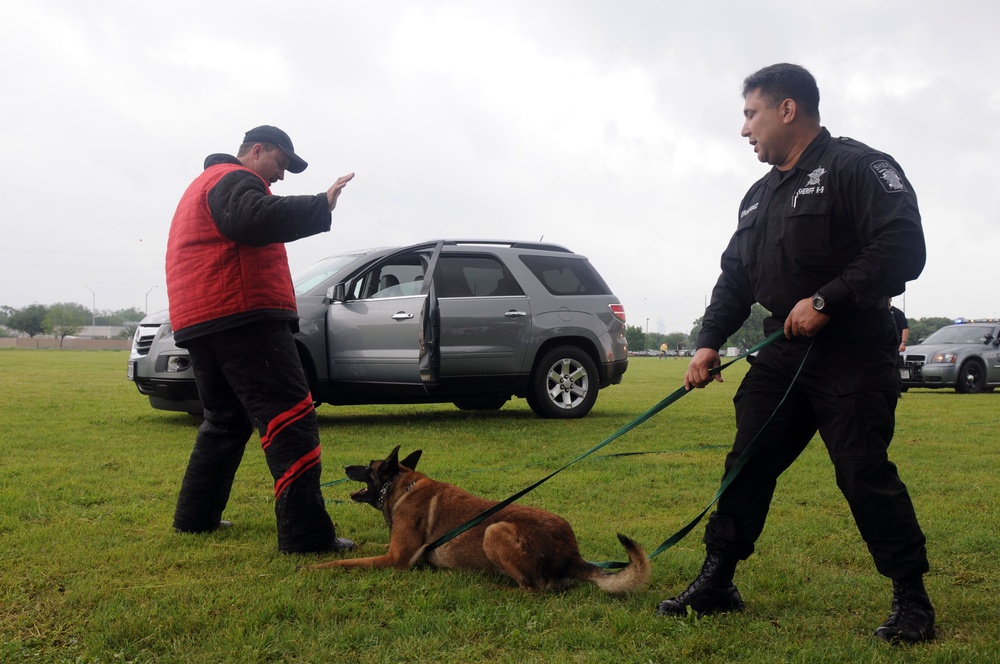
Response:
column 411, row 461
column 391, row 463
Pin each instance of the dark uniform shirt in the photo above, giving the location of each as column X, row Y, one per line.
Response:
column 899, row 318
column 842, row 222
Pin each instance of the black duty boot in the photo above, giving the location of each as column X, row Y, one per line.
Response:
column 912, row 617
column 712, row 592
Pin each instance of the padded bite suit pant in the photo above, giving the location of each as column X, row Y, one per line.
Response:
column 247, row 376
column 846, row 391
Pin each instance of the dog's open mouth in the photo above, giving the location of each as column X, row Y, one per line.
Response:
column 360, row 494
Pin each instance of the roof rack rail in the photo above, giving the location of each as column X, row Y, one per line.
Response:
column 513, row 244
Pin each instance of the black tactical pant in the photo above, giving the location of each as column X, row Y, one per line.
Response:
column 247, row 376
column 846, row 391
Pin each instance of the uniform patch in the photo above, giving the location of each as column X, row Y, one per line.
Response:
column 888, row 177
column 815, row 176
column 813, row 186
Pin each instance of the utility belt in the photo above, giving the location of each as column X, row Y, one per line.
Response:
column 852, row 326
column 774, row 322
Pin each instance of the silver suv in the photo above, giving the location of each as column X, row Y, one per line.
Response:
column 964, row 356
column 468, row 322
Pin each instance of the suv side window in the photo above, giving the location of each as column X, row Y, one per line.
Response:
column 566, row 276
column 399, row 276
column 474, row 276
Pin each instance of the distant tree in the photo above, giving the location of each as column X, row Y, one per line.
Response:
column 5, row 313
column 130, row 315
column 677, row 340
column 65, row 319
column 639, row 340
column 635, row 337
column 103, row 317
column 127, row 332
column 750, row 333
column 119, row 317
column 695, row 331
column 28, row 319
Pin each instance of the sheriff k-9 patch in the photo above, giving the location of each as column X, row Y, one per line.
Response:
column 888, row 177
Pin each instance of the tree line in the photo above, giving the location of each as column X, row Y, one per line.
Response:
column 64, row 319
column 752, row 333
column 68, row 318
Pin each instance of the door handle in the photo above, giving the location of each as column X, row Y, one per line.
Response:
column 515, row 314
column 402, row 315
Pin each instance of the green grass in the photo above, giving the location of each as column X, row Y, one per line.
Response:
column 93, row 572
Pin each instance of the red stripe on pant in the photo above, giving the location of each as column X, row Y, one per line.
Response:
column 302, row 465
column 285, row 419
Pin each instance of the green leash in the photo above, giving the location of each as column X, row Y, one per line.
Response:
column 671, row 398
column 726, row 481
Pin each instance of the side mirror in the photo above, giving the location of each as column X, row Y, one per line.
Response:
column 337, row 293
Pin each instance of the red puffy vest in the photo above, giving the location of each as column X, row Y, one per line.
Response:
column 211, row 277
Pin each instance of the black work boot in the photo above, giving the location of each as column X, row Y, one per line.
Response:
column 912, row 617
column 712, row 592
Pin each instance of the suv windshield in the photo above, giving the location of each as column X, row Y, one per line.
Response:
column 961, row 334
column 315, row 275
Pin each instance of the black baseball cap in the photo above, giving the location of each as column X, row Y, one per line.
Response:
column 269, row 134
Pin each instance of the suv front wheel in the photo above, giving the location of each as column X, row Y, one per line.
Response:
column 564, row 384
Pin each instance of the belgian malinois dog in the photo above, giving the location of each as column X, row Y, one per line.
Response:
column 535, row 548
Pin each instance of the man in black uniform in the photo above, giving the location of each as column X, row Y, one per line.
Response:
column 902, row 335
column 821, row 242
column 902, row 327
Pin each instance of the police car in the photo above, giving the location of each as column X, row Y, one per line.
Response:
column 965, row 356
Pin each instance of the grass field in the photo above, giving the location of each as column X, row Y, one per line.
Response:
column 92, row 570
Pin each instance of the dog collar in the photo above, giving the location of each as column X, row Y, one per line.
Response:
column 384, row 491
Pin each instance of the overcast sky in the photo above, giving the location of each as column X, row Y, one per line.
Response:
column 608, row 127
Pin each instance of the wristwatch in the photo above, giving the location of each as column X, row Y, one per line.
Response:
column 819, row 302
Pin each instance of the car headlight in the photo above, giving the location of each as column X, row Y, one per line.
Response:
column 946, row 357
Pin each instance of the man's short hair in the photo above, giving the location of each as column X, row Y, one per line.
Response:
column 245, row 147
column 785, row 81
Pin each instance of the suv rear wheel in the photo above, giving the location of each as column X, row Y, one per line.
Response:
column 564, row 385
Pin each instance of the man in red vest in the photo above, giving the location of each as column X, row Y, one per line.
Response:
column 233, row 308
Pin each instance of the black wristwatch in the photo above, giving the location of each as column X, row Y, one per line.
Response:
column 819, row 302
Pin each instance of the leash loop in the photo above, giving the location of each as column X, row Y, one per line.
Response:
column 669, row 399
column 726, row 480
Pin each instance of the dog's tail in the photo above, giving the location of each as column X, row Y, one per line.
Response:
column 632, row 577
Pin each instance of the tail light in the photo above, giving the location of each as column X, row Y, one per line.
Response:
column 618, row 310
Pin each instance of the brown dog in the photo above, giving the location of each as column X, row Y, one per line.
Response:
column 535, row 548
